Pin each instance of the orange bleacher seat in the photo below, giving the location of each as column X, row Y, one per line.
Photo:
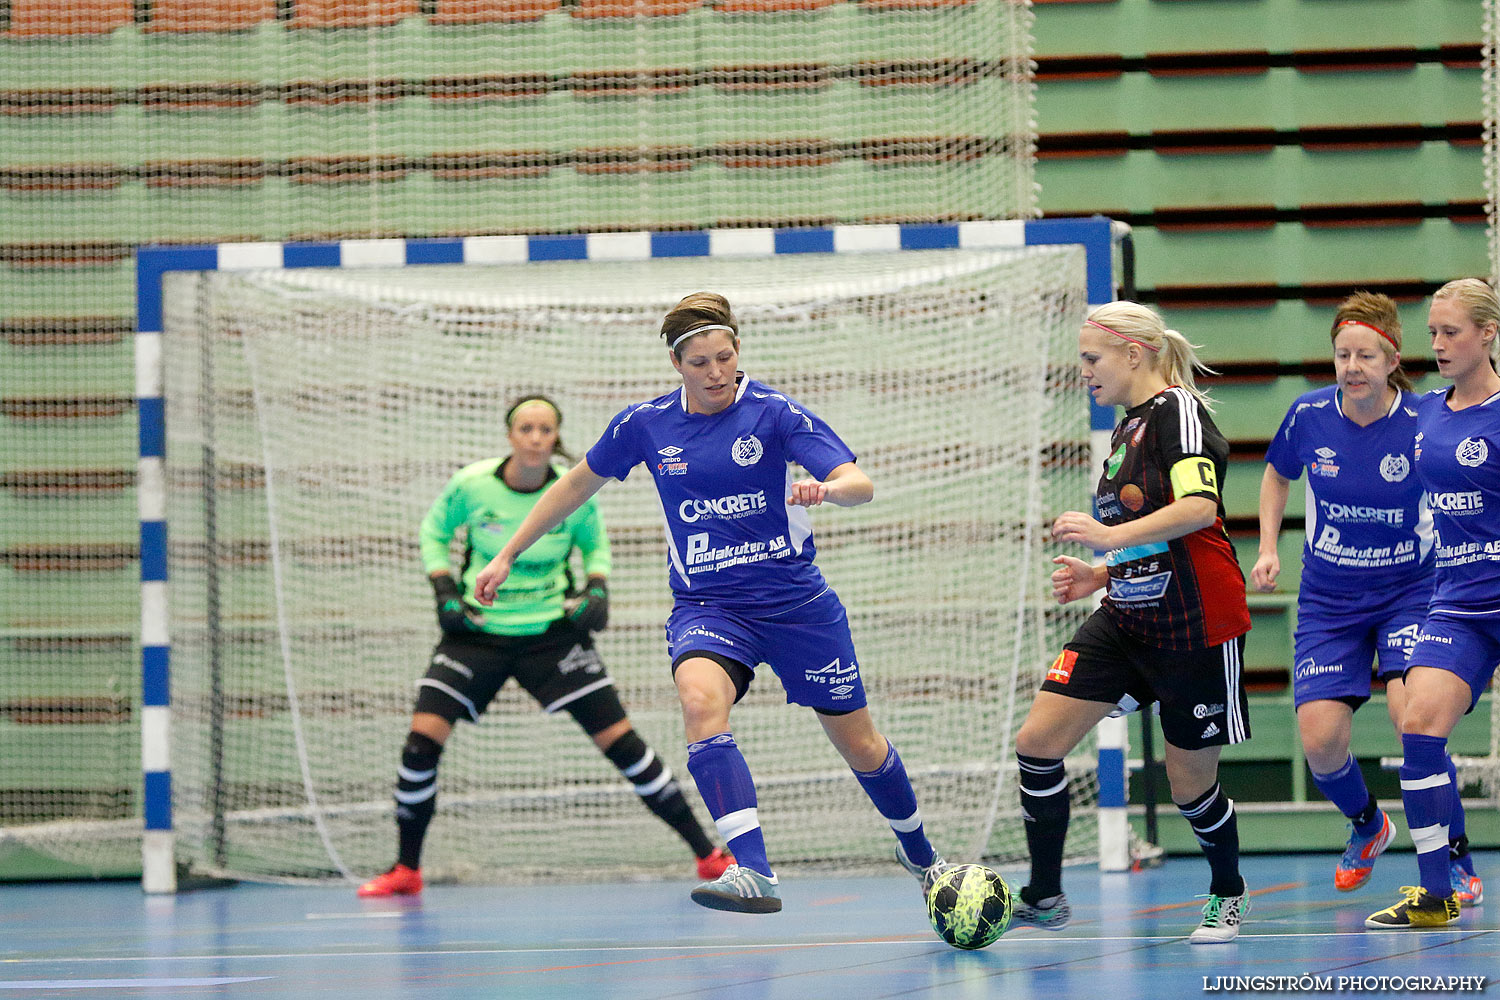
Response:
column 633, row 8
column 209, row 15
column 43, row 18
column 771, row 6
column 912, row 4
column 491, row 11
column 351, row 13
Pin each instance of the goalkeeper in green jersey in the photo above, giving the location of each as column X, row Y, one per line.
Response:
column 535, row 632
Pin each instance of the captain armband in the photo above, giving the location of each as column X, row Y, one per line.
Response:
column 1195, row 475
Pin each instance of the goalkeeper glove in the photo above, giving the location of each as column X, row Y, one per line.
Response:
column 589, row 610
column 454, row 616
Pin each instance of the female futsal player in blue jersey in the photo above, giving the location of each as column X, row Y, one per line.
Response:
column 1369, row 533
column 746, row 589
column 1458, row 460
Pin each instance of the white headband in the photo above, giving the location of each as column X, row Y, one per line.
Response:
column 701, row 329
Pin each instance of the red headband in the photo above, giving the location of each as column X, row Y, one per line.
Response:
column 1117, row 333
column 1372, row 326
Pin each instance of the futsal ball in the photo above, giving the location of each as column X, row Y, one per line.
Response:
column 969, row 906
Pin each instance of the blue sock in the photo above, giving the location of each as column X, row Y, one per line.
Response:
column 1428, row 794
column 1346, row 789
column 890, row 789
column 724, row 781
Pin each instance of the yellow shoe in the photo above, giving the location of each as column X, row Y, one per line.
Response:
column 1418, row 908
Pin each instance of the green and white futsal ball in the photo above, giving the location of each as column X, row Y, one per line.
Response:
column 969, row 906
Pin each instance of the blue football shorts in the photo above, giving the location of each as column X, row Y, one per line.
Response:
column 1339, row 641
column 1466, row 645
column 808, row 647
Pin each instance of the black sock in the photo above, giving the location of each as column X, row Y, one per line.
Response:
column 1458, row 847
column 658, row 789
column 1045, row 810
column 416, row 796
column 1367, row 814
column 1211, row 815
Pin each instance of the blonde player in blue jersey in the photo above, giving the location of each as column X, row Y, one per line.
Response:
column 746, row 589
column 1458, row 459
column 534, row 633
column 1369, row 533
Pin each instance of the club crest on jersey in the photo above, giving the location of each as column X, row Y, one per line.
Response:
column 1394, row 468
column 746, row 450
column 1472, row 452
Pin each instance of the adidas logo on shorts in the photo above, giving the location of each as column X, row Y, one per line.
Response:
column 1212, row 730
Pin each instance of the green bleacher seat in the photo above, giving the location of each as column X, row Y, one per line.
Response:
column 1279, row 98
column 1142, row 26
column 1143, row 180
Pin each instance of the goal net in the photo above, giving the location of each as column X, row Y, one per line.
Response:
column 1485, row 771
column 313, row 415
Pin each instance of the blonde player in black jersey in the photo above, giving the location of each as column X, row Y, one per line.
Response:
column 1171, row 627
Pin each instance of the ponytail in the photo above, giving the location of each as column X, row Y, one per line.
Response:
column 1179, row 361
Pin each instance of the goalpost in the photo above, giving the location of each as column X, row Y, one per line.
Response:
column 302, row 404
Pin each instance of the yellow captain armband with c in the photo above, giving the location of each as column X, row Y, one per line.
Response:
column 1194, row 475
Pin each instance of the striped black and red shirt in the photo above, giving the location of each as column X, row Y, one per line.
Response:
column 1187, row 593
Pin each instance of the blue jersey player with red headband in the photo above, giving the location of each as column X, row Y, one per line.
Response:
column 1458, row 459
column 746, row 588
column 1369, row 533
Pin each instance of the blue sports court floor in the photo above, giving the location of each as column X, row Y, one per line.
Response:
column 861, row 938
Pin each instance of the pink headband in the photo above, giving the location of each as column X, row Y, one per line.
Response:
column 1117, row 333
column 1372, row 326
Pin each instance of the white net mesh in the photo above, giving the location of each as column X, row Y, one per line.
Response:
column 204, row 121
column 1487, row 770
column 327, row 409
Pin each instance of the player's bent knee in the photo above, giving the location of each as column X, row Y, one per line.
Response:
column 606, row 737
column 1036, row 742
column 433, row 726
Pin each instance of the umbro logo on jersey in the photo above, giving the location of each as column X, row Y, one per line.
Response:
column 1211, row 731
column 670, row 451
column 1325, row 453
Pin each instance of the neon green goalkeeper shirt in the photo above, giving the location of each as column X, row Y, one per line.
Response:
column 531, row 598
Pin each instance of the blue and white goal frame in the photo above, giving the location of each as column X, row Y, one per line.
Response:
column 1096, row 235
